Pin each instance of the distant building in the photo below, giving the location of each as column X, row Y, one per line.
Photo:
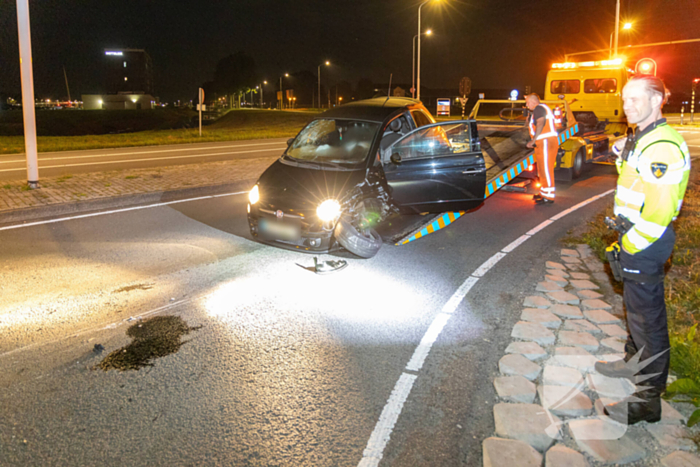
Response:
column 121, row 101
column 127, row 71
column 127, row 82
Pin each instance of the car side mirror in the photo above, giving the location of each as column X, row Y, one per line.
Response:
column 395, row 158
column 290, row 141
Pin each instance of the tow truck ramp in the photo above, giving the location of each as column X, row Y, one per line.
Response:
column 505, row 157
column 497, row 177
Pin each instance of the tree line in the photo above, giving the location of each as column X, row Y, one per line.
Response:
column 237, row 79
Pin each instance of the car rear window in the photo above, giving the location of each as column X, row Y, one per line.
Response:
column 569, row 86
column 603, row 85
column 335, row 141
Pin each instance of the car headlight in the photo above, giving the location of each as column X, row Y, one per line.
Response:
column 254, row 195
column 329, row 210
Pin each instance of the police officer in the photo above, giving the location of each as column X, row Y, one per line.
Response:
column 544, row 138
column 653, row 168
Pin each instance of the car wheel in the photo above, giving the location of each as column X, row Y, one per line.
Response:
column 364, row 245
column 579, row 160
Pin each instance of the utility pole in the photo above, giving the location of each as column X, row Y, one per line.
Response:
column 28, row 110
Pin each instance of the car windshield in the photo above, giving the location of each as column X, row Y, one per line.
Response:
column 333, row 141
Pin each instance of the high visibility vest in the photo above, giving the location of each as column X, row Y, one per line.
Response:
column 549, row 130
column 558, row 122
column 651, row 184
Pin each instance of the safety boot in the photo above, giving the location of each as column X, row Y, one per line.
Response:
column 543, row 200
column 616, row 369
column 639, row 407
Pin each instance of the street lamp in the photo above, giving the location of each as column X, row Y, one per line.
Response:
column 282, row 92
column 418, row 72
column 625, row 27
column 319, row 83
column 413, row 66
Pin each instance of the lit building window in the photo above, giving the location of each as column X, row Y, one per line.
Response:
column 124, row 64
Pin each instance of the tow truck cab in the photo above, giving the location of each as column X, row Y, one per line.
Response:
column 594, row 92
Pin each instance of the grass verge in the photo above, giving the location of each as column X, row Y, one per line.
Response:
column 234, row 126
column 682, row 290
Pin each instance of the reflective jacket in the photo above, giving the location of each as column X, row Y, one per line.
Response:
column 549, row 130
column 651, row 184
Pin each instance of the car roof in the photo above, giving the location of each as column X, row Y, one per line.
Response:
column 376, row 110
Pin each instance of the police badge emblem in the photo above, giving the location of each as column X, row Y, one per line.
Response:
column 658, row 169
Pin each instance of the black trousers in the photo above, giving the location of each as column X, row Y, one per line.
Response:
column 646, row 309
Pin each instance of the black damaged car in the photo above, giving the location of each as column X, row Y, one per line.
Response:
column 355, row 166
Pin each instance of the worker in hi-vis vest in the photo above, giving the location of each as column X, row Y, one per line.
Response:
column 653, row 166
column 544, row 139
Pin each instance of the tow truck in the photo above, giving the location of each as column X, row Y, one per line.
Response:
column 590, row 96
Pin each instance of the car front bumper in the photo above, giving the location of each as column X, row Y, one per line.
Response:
column 299, row 234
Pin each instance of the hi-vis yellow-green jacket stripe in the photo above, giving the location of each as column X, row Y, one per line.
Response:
column 651, row 185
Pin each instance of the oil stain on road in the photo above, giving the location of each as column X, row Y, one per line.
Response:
column 152, row 338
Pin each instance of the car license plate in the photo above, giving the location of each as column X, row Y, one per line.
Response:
column 281, row 230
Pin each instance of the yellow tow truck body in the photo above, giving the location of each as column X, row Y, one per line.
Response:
column 594, row 93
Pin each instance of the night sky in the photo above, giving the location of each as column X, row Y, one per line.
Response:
column 498, row 43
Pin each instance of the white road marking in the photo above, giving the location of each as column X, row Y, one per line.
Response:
column 431, row 335
column 539, row 227
column 457, row 297
column 488, row 264
column 129, row 153
column 372, row 455
column 115, row 211
column 145, row 160
column 516, row 243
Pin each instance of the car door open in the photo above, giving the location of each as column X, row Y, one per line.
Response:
column 436, row 168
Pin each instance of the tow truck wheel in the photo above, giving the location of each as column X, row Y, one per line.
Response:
column 363, row 244
column 579, row 160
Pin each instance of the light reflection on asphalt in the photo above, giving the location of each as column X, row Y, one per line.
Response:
column 290, row 296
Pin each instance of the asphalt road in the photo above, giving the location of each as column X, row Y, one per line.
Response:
column 13, row 166
column 288, row 367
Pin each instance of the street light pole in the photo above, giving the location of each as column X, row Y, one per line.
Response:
column 319, row 83
column 413, row 66
column 418, row 68
column 617, row 24
column 282, row 92
column 27, row 74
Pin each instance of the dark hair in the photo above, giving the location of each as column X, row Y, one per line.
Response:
column 655, row 85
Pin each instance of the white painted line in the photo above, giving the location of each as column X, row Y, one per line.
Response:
column 374, row 451
column 457, row 297
column 539, row 227
column 516, row 243
column 561, row 214
column 431, row 335
column 488, row 264
column 115, row 211
column 144, row 160
column 372, row 454
column 154, row 151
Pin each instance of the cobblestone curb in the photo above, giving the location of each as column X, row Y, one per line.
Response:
column 551, row 398
column 69, row 194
